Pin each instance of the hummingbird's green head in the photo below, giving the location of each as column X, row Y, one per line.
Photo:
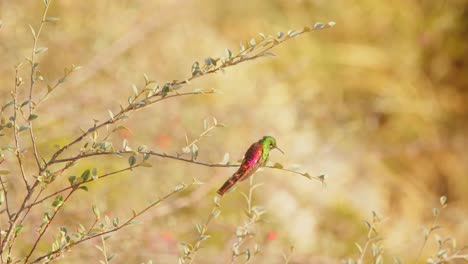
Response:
column 269, row 143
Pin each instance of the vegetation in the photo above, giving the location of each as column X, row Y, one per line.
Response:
column 68, row 192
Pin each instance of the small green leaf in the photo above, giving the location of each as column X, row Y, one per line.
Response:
column 142, row 148
column 200, row 228
column 32, row 117
column 23, row 127
column 94, row 174
column 25, row 103
column 85, row 175
column 179, row 187
column 85, row 188
column 165, row 90
column 18, row 229
column 135, row 89
column 32, row 31
column 247, row 254
column 443, row 200
column 111, row 115
column 194, row 151
column 115, row 222
column 72, row 179
column 132, row 160
column 58, row 201
column 293, row 33
column 278, row 166
column 147, row 80
column 41, row 50
column 318, row 25
column 228, row 53
column 96, row 212
column 52, row 19
column 109, row 258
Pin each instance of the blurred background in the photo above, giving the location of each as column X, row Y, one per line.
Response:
column 378, row 103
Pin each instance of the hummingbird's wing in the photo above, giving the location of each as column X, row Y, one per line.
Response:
column 252, row 161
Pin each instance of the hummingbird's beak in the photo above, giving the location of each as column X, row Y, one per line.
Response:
column 279, row 150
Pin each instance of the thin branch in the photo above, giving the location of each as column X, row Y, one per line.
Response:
column 253, row 216
column 32, row 81
column 164, row 155
column 200, row 136
column 44, row 229
column 190, row 252
column 14, row 220
column 75, row 186
column 22, row 220
column 426, row 236
column 5, row 194
column 117, row 117
column 15, row 127
column 126, row 223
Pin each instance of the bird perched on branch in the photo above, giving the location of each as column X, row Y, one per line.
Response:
column 254, row 158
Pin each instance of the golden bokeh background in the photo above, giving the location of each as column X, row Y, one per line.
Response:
column 378, row 104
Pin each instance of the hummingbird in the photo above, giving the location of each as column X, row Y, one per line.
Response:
column 254, row 158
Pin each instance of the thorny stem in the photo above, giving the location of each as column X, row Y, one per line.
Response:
column 126, row 223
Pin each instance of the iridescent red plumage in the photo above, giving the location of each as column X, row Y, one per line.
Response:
column 252, row 161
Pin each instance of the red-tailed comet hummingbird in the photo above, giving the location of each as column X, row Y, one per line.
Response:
column 254, row 158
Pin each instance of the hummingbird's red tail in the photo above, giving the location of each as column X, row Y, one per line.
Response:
column 228, row 184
